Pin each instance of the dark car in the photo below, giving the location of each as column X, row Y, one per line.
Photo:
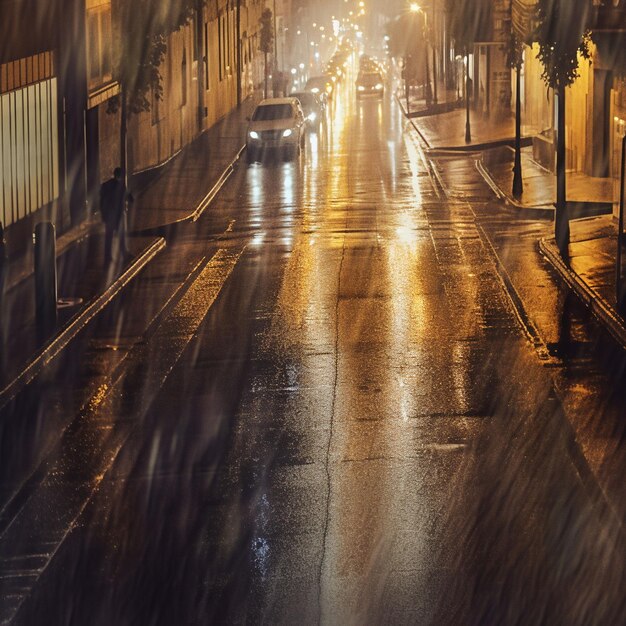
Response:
column 370, row 84
column 322, row 85
column 313, row 107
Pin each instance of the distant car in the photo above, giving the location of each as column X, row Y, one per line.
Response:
column 370, row 84
column 313, row 107
column 370, row 64
column 276, row 124
column 322, row 85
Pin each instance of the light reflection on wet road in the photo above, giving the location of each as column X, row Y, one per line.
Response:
column 359, row 432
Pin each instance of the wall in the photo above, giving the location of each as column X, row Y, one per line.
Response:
column 158, row 134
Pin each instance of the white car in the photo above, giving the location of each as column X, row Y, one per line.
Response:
column 276, row 124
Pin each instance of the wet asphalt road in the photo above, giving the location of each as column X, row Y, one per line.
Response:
column 340, row 421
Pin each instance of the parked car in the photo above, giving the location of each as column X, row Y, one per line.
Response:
column 277, row 124
column 370, row 84
column 313, row 108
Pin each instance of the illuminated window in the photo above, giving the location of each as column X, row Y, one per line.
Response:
column 29, row 146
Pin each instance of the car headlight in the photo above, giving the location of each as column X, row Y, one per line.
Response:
column 287, row 132
column 361, row 88
column 254, row 134
column 379, row 86
column 311, row 117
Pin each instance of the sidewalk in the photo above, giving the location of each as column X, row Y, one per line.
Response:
column 84, row 287
column 444, row 130
column 183, row 188
column 586, row 195
column 447, row 100
column 180, row 190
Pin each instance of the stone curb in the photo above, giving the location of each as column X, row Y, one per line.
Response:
column 195, row 215
column 56, row 345
column 540, row 211
column 600, row 308
column 208, row 198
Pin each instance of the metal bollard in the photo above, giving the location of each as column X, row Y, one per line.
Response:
column 44, row 239
column 4, row 262
column 4, row 267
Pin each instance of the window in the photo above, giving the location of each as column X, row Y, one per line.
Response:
column 99, row 45
column 271, row 112
column 29, row 169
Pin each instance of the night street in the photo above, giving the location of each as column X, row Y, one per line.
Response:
column 353, row 392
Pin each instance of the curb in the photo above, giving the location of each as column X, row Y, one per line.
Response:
column 195, row 215
column 531, row 211
column 208, row 198
column 479, row 147
column 55, row 345
column 600, row 308
column 410, row 120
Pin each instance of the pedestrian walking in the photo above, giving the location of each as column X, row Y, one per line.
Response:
column 114, row 201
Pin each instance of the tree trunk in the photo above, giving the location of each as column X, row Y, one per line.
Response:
column 124, row 136
column 561, row 219
column 265, row 82
column 518, row 187
column 468, row 131
column 434, row 73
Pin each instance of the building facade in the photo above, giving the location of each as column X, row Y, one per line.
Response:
column 60, row 138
